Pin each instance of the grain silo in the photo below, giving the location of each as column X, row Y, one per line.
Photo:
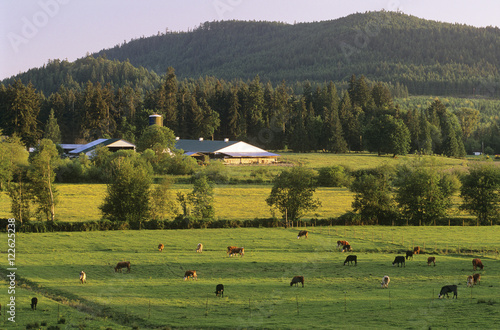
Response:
column 155, row 120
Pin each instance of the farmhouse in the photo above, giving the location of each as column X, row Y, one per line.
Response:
column 73, row 150
column 231, row 152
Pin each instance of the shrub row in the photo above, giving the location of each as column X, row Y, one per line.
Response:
column 182, row 222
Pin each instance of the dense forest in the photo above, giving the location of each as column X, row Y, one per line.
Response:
column 428, row 57
column 306, row 117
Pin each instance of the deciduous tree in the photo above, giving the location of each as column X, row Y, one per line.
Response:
column 480, row 193
column 292, row 193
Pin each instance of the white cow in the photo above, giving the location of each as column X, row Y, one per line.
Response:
column 199, row 248
column 385, row 281
column 83, row 277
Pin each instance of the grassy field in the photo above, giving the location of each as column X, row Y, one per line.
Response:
column 80, row 202
column 257, row 290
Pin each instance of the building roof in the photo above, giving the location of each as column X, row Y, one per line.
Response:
column 226, row 147
column 111, row 143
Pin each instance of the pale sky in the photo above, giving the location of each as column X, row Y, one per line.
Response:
column 34, row 31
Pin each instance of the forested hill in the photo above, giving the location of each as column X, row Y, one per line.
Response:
column 428, row 57
column 75, row 75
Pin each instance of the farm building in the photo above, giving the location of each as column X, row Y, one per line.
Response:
column 231, row 152
column 73, row 150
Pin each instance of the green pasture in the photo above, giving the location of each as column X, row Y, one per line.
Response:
column 257, row 285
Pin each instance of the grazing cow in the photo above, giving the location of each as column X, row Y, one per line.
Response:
column 219, row 290
column 342, row 243
column 199, row 248
column 190, row 273
column 238, row 250
column 302, row 233
column 385, row 282
column 122, row 264
column 409, row 254
column 160, row 247
column 416, row 250
column 476, row 278
column 83, row 277
column 447, row 289
column 431, row 259
column 399, row 260
column 477, row 263
column 346, row 247
column 350, row 259
column 229, row 248
column 296, row 280
column 470, row 281
column 34, row 301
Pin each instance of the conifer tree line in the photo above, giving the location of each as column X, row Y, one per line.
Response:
column 303, row 117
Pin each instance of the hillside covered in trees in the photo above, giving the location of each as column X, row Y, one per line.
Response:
column 428, row 57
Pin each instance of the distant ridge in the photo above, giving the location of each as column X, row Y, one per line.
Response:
column 428, row 57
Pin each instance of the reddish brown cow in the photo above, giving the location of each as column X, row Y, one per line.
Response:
column 122, row 264
column 342, row 243
column 431, row 259
column 302, row 233
column 296, row 280
column 416, row 250
column 229, row 248
column 238, row 250
column 477, row 263
column 160, row 247
column 190, row 273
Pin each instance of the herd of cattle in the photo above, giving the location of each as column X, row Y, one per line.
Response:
column 341, row 244
column 401, row 260
column 344, row 246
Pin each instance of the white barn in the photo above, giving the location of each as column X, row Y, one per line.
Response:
column 231, row 152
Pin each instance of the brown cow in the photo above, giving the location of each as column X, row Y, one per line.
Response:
column 477, row 263
column 476, row 278
column 122, row 264
column 238, row 250
column 302, row 233
column 190, row 273
column 229, row 248
column 296, row 280
column 431, row 259
column 342, row 243
column 160, row 247
column 199, row 248
column 416, row 250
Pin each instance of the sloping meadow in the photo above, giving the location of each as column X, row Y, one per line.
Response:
column 257, row 285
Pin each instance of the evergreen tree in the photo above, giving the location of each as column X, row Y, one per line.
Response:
column 20, row 112
column 52, row 131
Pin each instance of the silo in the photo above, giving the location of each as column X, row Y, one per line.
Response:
column 155, row 120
